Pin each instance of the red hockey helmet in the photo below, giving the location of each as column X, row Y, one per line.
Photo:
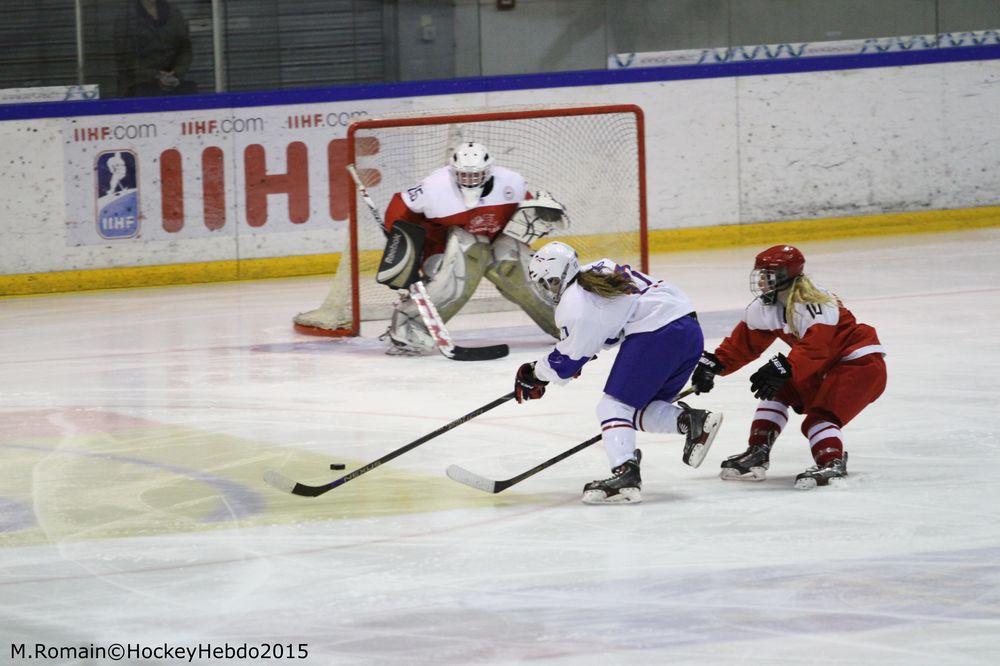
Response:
column 775, row 269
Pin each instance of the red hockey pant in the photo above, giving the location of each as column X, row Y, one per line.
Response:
column 840, row 394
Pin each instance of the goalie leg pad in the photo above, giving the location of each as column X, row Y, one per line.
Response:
column 407, row 331
column 453, row 278
column 509, row 272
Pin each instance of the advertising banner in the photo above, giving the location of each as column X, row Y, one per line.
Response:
column 49, row 94
column 185, row 175
column 803, row 50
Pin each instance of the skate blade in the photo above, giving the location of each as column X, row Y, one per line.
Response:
column 700, row 450
column 624, row 496
column 755, row 474
column 810, row 483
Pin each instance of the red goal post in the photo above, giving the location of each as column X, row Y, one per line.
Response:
column 589, row 158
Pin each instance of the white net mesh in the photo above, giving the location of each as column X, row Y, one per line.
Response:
column 588, row 159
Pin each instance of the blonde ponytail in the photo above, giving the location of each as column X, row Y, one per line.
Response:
column 606, row 285
column 804, row 291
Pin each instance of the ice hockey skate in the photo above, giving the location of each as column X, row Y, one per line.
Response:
column 751, row 465
column 699, row 427
column 400, row 348
column 407, row 335
column 621, row 488
column 822, row 475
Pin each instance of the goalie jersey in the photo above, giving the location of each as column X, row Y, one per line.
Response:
column 588, row 322
column 436, row 204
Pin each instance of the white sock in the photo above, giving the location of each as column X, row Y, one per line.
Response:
column 617, row 429
column 658, row 416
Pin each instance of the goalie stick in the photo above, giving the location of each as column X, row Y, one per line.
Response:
column 473, row 480
column 428, row 313
column 282, row 482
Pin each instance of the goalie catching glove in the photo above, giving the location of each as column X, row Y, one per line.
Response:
column 766, row 382
column 536, row 217
column 526, row 385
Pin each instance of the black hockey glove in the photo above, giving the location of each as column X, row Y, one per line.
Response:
column 703, row 378
column 768, row 380
column 526, row 385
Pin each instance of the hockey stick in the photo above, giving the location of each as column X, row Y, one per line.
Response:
column 442, row 339
column 282, row 482
column 428, row 313
column 473, row 480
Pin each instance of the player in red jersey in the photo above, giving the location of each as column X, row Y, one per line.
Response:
column 465, row 221
column 834, row 369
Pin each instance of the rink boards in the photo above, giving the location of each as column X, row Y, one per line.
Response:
column 150, row 196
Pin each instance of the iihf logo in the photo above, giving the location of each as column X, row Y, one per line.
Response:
column 117, row 194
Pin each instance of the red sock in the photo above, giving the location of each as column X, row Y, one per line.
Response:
column 824, row 440
column 768, row 422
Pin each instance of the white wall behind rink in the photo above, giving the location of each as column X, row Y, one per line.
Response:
column 719, row 151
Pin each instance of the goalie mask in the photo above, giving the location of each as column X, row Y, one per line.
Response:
column 553, row 268
column 471, row 165
column 536, row 217
column 774, row 270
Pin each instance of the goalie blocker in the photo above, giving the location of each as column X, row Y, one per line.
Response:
column 400, row 265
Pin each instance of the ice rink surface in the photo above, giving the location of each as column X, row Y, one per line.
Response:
column 137, row 425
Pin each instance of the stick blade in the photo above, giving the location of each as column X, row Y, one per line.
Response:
column 464, row 476
column 487, row 353
column 279, row 481
column 282, row 482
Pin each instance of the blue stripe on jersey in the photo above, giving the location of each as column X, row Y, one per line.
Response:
column 565, row 366
column 636, row 277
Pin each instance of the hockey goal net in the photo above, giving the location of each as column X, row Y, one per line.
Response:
column 590, row 159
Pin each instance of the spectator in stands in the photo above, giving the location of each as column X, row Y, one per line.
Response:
column 152, row 49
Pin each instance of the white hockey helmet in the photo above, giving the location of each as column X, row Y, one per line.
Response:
column 553, row 268
column 472, row 165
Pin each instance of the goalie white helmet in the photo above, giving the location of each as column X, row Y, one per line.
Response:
column 553, row 268
column 471, row 164
column 536, row 217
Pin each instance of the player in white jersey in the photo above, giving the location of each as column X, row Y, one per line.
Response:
column 601, row 305
column 465, row 221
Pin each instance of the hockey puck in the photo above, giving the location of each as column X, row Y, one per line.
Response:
column 338, row 466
